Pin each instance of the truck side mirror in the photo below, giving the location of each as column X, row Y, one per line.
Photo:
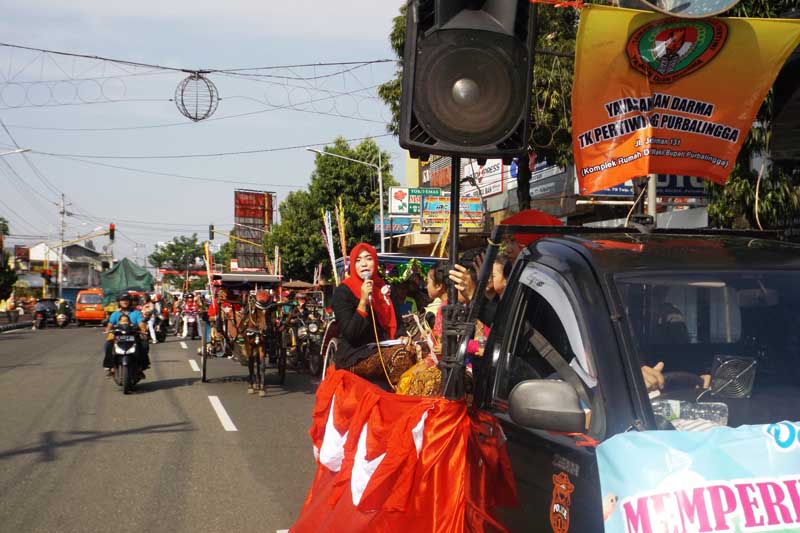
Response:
column 546, row 404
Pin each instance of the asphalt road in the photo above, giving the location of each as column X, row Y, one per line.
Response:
column 78, row 455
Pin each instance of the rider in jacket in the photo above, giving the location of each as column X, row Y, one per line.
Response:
column 135, row 318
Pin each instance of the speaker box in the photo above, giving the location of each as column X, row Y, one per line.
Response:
column 467, row 77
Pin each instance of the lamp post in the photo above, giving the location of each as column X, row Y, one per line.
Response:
column 380, row 182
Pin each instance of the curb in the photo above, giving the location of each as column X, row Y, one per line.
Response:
column 18, row 325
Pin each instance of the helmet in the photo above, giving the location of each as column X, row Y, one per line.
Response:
column 123, row 296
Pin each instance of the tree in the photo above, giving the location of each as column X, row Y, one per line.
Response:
column 551, row 127
column 778, row 200
column 224, row 255
column 180, row 254
column 8, row 277
column 299, row 233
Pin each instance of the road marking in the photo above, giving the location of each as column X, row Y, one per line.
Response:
column 282, row 531
column 194, row 366
column 222, row 414
column 183, row 345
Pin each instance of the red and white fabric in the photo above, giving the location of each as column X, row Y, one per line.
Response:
column 387, row 462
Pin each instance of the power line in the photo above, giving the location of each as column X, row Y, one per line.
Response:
column 189, row 70
column 212, row 119
column 179, row 176
column 36, row 171
column 218, row 154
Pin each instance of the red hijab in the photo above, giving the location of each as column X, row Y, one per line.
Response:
column 381, row 302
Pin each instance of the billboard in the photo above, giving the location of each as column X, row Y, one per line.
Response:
column 408, row 200
column 436, row 213
column 667, row 185
column 253, row 215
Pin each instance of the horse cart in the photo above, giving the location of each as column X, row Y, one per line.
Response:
column 242, row 322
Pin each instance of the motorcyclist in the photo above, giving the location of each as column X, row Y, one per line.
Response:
column 135, row 318
column 62, row 307
column 189, row 307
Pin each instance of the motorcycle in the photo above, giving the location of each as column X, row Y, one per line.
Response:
column 126, row 362
column 61, row 320
column 191, row 325
column 40, row 320
column 162, row 325
column 309, row 343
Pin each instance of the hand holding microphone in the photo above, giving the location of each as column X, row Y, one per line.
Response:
column 366, row 287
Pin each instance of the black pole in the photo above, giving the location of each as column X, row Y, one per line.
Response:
column 451, row 365
column 455, row 200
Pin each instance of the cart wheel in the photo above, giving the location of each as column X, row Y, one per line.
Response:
column 282, row 366
column 330, row 353
column 203, row 358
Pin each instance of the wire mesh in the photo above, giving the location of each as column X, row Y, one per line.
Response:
column 196, row 97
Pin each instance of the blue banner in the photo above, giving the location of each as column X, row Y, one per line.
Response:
column 725, row 479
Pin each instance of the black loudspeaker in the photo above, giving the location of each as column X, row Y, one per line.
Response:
column 467, row 76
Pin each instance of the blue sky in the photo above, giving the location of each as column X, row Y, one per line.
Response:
column 128, row 112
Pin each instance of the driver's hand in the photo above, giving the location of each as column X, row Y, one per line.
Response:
column 653, row 376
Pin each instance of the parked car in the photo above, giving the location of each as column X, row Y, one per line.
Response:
column 580, row 317
column 89, row 306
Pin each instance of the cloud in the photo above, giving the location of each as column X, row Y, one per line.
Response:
column 352, row 20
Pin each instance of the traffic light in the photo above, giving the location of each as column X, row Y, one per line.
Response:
column 111, row 230
column 467, row 78
column 47, row 276
column 211, row 232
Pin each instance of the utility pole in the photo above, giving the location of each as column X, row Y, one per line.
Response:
column 62, row 212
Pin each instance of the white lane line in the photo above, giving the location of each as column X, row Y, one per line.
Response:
column 282, row 531
column 183, row 345
column 194, row 366
column 222, row 414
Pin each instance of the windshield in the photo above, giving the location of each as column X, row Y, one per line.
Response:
column 728, row 339
column 90, row 299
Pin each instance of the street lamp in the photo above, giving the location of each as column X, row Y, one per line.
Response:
column 17, row 151
column 380, row 182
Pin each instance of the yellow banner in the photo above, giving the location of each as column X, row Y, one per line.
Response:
column 661, row 95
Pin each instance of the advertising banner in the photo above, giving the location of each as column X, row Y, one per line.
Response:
column 660, row 95
column 726, row 479
column 436, row 212
column 408, row 201
column 392, row 225
column 666, row 185
column 490, row 177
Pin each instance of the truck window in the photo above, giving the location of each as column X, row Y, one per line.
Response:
column 534, row 311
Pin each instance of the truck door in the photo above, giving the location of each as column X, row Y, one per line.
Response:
column 556, row 474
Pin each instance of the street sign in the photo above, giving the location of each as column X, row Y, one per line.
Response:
column 408, row 200
column 667, row 185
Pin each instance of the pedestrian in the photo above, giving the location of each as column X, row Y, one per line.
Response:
column 11, row 308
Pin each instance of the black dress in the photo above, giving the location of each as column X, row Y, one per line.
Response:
column 355, row 331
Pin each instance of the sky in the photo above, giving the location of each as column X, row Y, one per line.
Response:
column 83, row 119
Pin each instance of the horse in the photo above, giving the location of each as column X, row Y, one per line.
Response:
column 253, row 325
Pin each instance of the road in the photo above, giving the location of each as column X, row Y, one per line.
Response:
column 78, row 455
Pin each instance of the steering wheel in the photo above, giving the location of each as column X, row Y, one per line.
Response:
column 680, row 379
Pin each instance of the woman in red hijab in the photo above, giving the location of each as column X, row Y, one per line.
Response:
column 360, row 297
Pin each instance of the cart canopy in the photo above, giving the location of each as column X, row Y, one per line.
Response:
column 124, row 276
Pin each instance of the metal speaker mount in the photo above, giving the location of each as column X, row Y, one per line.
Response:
column 687, row 9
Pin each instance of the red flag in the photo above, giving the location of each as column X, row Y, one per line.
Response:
column 385, row 461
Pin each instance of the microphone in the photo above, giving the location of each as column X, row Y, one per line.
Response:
column 366, row 276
